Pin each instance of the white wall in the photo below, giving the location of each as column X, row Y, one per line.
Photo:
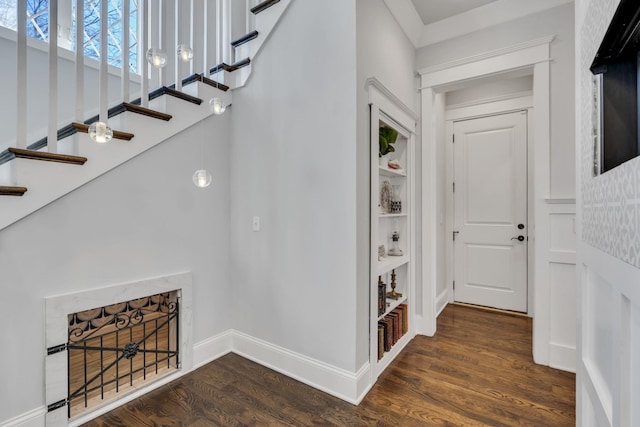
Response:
column 144, row 219
column 383, row 52
column 292, row 164
column 608, row 372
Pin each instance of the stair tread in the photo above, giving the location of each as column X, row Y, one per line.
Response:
column 126, row 136
column 244, row 39
column 262, row 6
column 46, row 156
column 232, row 67
column 182, row 95
column 10, row 190
column 146, row 111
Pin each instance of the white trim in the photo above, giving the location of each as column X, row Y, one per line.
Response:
column 495, row 99
column 486, row 55
column 562, row 357
column 533, row 54
column 442, row 301
column 391, row 104
column 348, row 386
column 489, row 108
column 483, row 17
column 488, row 65
column 477, row 19
column 33, row 418
column 407, row 16
column 213, row 348
column 554, row 201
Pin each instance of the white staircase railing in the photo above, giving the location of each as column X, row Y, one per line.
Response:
column 202, row 28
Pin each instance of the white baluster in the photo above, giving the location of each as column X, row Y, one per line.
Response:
column 79, row 61
column 205, row 45
column 178, row 39
column 52, row 133
column 218, row 31
column 104, row 62
column 126, row 14
column 192, row 40
column 226, row 31
column 143, row 37
column 162, row 75
column 21, row 69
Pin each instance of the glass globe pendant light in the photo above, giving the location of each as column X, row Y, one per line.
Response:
column 185, row 53
column 202, row 178
column 157, row 57
column 100, row 132
column 216, row 106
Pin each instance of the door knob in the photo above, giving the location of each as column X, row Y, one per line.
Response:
column 519, row 238
column 520, row 226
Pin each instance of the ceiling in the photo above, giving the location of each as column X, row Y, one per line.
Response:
column 431, row 11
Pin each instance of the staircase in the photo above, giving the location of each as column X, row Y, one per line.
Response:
column 34, row 177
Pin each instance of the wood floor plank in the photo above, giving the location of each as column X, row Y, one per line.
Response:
column 476, row 371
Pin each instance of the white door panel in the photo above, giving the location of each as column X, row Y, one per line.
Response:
column 490, row 175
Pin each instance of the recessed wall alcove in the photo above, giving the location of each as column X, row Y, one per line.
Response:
column 142, row 311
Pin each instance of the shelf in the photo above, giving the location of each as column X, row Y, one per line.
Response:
column 391, row 172
column 393, row 304
column 388, row 356
column 396, row 215
column 391, row 262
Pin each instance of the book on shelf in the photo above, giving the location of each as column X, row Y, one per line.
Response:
column 380, row 340
column 391, row 328
column 382, row 298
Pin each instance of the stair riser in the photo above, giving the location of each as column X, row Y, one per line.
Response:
column 8, row 174
column 206, row 92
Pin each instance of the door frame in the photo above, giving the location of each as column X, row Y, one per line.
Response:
column 434, row 82
column 485, row 109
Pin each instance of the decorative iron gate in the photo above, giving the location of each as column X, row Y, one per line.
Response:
column 115, row 348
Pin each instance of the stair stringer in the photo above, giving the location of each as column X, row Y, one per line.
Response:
column 265, row 21
column 47, row 181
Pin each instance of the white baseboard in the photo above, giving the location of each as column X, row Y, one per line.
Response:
column 562, row 357
column 34, row 418
column 441, row 302
column 348, row 386
column 212, row 348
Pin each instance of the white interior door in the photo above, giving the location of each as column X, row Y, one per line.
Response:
column 490, row 205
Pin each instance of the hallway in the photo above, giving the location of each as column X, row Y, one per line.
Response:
column 476, row 371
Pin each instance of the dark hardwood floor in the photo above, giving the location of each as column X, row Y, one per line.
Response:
column 476, row 371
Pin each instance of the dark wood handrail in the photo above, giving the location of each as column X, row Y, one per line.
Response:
column 48, row 157
column 12, row 191
column 262, row 6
